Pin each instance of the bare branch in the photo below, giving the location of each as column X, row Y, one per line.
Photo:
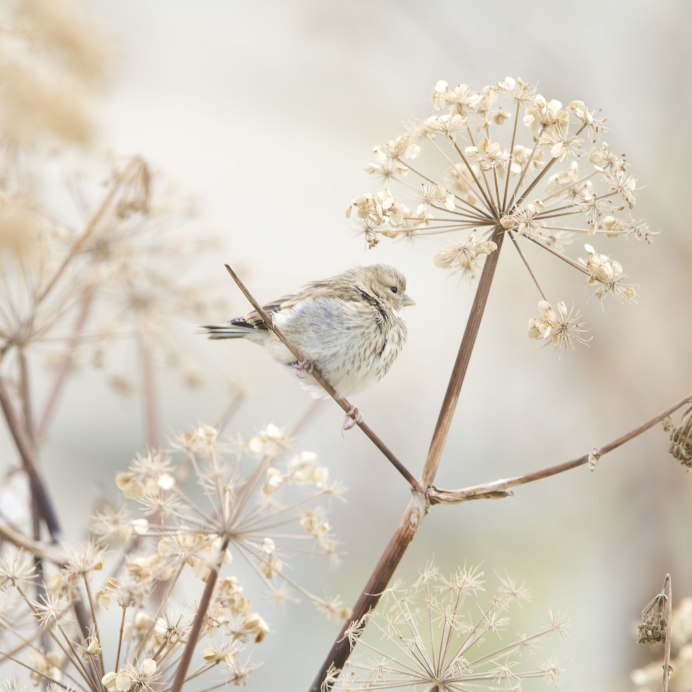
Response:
column 501, row 488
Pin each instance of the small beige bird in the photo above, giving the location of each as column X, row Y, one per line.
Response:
column 348, row 326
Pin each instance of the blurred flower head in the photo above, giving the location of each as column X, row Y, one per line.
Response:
column 254, row 497
column 204, row 506
column 53, row 57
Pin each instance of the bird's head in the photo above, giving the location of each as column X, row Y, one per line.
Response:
column 387, row 284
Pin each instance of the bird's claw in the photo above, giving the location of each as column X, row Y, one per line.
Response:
column 303, row 367
column 352, row 419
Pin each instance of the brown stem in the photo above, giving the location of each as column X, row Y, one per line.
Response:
column 318, row 377
column 40, row 492
column 28, row 454
column 45, row 552
column 230, row 411
column 370, row 596
column 501, row 488
column 65, row 368
column 418, row 506
column 28, row 415
column 196, row 629
column 449, row 403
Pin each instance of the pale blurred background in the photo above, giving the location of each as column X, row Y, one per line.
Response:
column 268, row 112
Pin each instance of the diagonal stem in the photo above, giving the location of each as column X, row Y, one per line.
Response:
column 27, row 452
column 461, row 364
column 344, row 403
column 372, row 592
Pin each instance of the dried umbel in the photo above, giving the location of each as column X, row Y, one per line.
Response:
column 652, row 627
column 681, row 439
column 258, row 501
column 507, row 160
column 188, row 514
column 445, row 633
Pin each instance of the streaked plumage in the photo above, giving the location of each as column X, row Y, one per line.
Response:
column 348, row 326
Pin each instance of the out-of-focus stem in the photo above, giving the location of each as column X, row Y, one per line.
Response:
column 39, row 491
column 27, row 410
column 27, row 453
column 65, row 367
column 151, row 409
column 131, row 168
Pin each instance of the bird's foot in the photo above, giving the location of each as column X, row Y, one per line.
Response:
column 352, row 419
column 304, row 368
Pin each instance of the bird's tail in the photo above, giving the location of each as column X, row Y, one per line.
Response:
column 226, row 331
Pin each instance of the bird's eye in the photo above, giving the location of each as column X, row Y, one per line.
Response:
column 394, row 289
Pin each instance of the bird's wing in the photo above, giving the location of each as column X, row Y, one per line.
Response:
column 253, row 320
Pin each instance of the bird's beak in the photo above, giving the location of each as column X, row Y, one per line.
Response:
column 406, row 300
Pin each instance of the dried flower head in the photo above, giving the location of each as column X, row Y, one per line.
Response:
column 190, row 514
column 506, row 160
column 681, row 439
column 441, row 634
column 263, row 514
column 652, row 627
column 464, row 256
column 128, row 264
column 560, row 327
column 648, row 678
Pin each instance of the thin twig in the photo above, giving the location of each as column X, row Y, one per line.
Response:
column 49, row 553
column 543, row 172
column 527, row 265
column 89, row 230
column 668, row 593
column 306, row 418
column 318, row 377
column 233, row 407
column 151, row 413
column 501, row 488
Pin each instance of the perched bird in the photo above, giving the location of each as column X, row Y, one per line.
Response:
column 347, row 326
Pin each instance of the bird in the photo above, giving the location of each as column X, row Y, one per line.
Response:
column 348, row 326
